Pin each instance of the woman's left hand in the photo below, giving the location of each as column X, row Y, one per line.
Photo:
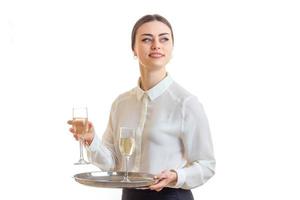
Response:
column 164, row 179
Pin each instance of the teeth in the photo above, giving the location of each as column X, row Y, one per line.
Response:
column 156, row 55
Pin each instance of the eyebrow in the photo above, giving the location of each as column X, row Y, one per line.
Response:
column 148, row 34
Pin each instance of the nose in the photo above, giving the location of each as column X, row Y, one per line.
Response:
column 155, row 45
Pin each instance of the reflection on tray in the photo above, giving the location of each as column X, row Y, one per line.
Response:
column 114, row 179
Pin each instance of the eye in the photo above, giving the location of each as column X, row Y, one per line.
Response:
column 146, row 40
column 165, row 39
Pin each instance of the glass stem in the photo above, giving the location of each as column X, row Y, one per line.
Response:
column 81, row 150
column 126, row 175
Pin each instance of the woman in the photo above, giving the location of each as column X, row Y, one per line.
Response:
column 172, row 134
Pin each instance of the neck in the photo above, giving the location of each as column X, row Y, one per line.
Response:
column 150, row 78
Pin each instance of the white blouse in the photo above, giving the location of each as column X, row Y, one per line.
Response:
column 172, row 132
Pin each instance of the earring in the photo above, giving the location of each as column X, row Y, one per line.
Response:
column 134, row 57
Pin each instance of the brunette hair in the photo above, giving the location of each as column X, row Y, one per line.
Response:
column 145, row 19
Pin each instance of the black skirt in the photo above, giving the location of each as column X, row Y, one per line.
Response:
column 164, row 194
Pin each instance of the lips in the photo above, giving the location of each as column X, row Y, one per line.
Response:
column 156, row 55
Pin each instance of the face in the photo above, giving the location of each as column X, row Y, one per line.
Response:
column 153, row 45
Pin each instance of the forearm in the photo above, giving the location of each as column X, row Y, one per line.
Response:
column 100, row 155
column 195, row 174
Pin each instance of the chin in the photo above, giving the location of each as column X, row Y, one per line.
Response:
column 155, row 67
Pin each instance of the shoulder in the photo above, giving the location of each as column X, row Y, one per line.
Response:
column 181, row 94
column 123, row 97
column 188, row 102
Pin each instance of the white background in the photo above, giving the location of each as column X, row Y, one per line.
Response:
column 241, row 58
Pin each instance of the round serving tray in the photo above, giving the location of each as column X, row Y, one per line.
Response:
column 114, row 179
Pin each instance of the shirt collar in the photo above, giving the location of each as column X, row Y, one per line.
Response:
column 155, row 91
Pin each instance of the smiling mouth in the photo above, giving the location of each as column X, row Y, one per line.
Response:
column 156, row 55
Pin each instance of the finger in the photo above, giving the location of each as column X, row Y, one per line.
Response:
column 72, row 130
column 157, row 188
column 159, row 185
column 75, row 136
column 74, row 133
column 158, row 176
column 156, row 181
column 90, row 127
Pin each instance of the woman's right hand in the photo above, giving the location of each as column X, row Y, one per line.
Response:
column 87, row 137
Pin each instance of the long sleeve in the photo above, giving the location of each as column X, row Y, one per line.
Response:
column 198, row 148
column 101, row 153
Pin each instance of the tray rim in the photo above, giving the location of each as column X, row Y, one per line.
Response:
column 105, row 184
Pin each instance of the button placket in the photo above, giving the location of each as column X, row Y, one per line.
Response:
column 139, row 132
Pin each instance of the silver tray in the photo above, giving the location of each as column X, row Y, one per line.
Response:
column 114, row 179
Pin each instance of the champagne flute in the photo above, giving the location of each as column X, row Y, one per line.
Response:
column 80, row 126
column 126, row 146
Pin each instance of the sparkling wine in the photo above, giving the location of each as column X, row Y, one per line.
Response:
column 126, row 146
column 80, row 125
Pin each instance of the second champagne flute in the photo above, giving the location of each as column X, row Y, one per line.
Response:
column 126, row 146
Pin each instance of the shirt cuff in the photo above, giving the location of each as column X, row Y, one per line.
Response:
column 94, row 144
column 180, row 178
